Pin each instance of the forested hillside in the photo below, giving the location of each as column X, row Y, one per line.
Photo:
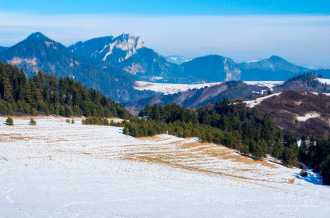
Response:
column 2, row 48
column 234, row 126
column 48, row 94
column 224, row 123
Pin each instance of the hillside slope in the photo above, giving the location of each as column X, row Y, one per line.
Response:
column 300, row 113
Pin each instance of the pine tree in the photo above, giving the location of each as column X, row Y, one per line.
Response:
column 325, row 172
column 10, row 121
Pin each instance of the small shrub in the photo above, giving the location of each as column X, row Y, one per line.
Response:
column 10, row 121
column 303, row 173
column 67, row 120
column 33, row 122
column 72, row 121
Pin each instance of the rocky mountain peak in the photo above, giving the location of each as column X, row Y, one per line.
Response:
column 109, row 48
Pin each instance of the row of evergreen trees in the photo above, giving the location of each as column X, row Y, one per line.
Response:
column 48, row 94
column 227, row 123
column 232, row 125
column 316, row 154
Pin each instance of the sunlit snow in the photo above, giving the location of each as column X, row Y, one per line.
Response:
column 57, row 169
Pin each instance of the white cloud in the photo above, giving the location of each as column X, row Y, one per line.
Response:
column 299, row 38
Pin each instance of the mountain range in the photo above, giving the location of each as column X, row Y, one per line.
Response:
column 38, row 52
column 112, row 65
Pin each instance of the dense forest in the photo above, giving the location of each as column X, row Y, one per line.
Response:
column 47, row 94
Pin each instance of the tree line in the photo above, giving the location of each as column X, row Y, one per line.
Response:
column 226, row 123
column 48, row 94
column 234, row 125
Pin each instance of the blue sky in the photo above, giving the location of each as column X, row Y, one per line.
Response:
column 169, row 7
column 243, row 30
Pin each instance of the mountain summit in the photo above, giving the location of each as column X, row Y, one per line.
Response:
column 274, row 63
column 37, row 35
column 38, row 52
column 109, row 48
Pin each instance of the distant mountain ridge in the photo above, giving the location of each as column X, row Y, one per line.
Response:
column 2, row 48
column 38, row 52
column 212, row 68
column 274, row 68
column 274, row 63
column 128, row 53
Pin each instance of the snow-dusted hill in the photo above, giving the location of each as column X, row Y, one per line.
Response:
column 56, row 169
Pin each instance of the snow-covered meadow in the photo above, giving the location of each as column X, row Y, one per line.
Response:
column 172, row 88
column 57, row 169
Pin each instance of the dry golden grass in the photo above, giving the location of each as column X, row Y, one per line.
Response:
column 195, row 156
column 291, row 181
column 20, row 138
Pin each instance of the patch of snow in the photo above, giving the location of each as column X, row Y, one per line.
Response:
column 323, row 81
column 257, row 101
column 154, row 78
column 253, row 61
column 316, row 93
column 308, row 116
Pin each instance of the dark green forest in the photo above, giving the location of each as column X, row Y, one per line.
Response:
column 48, row 94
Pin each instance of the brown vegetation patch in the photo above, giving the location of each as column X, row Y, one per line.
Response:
column 291, row 181
column 21, row 138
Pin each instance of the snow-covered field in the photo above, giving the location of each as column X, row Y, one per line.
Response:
column 269, row 84
column 56, row 169
column 171, row 88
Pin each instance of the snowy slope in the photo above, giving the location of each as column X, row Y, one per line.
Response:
column 56, row 169
column 257, row 101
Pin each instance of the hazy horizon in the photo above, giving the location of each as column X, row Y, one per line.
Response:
column 297, row 31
